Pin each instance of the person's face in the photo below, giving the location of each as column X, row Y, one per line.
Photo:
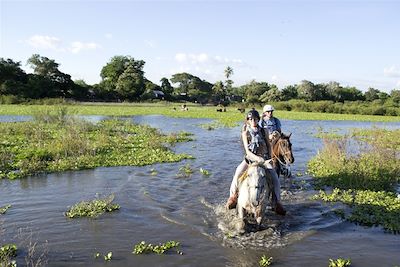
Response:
column 268, row 114
column 252, row 121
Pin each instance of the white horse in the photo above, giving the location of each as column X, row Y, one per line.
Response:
column 254, row 191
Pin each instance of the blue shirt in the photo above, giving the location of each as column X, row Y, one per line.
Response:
column 273, row 124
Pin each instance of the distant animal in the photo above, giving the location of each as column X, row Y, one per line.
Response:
column 219, row 109
column 282, row 154
column 255, row 187
column 242, row 110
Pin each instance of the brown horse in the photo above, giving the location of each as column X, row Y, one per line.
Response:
column 282, row 155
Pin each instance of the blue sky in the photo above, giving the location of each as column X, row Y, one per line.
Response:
column 356, row 43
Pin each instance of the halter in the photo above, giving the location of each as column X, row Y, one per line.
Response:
column 285, row 154
column 283, row 165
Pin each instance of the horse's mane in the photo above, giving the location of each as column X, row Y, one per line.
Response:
column 243, row 176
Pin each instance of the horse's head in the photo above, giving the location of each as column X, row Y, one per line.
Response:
column 256, row 180
column 283, row 149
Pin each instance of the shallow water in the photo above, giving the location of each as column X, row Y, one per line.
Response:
column 162, row 207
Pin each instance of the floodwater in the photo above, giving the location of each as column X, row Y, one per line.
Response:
column 162, row 207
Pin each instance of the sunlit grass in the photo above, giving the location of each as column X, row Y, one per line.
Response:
column 229, row 118
column 29, row 148
column 365, row 181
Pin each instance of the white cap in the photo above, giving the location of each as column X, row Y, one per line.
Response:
column 268, row 108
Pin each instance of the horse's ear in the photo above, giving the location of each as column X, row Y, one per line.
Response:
column 289, row 135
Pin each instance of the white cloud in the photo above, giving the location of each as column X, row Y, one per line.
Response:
column 45, row 42
column 54, row 43
column 180, row 57
column 108, row 35
column 392, row 71
column 204, row 58
column 76, row 47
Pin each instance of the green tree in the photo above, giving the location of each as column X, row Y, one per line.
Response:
column 395, row 95
column 118, row 65
column 130, row 84
column 289, row 92
column 218, row 91
column 371, row 94
column 228, row 73
column 62, row 85
column 166, row 87
column 272, row 95
column 310, row 92
column 12, row 78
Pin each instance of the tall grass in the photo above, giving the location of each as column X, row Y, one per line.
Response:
column 367, row 180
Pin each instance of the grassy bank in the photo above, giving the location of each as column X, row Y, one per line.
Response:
column 62, row 143
column 229, row 118
column 366, row 181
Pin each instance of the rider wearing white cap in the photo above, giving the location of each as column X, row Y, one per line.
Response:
column 269, row 122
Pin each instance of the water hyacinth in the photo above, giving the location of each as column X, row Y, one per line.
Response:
column 92, row 208
column 4, row 209
column 144, row 248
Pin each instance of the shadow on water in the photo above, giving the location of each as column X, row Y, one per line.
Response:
column 157, row 205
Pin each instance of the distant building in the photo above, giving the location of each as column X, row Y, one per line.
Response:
column 158, row 94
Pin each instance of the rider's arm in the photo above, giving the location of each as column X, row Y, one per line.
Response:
column 250, row 155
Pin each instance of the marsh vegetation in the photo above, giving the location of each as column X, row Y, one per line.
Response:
column 56, row 141
column 363, row 169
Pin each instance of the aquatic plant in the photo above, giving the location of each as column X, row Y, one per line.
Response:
column 29, row 148
column 144, row 248
column 205, row 172
column 265, row 261
column 106, row 257
column 369, row 208
column 92, row 208
column 185, row 171
column 366, row 181
column 4, row 208
column 7, row 252
column 339, row 262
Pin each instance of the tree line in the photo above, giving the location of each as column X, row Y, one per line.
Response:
column 123, row 79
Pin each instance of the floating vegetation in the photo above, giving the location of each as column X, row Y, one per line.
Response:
column 370, row 208
column 7, row 252
column 366, row 182
column 106, row 257
column 185, row 171
column 204, row 172
column 265, row 261
column 29, row 148
column 92, row 208
column 211, row 126
column 144, row 248
column 153, row 172
column 4, row 208
column 339, row 262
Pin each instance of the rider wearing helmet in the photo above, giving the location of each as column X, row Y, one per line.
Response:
column 269, row 122
column 257, row 149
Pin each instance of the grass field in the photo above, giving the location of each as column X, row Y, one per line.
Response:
column 229, row 118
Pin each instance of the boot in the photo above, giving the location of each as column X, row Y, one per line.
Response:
column 279, row 209
column 232, row 201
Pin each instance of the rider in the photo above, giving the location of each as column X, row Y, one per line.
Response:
column 271, row 123
column 257, row 149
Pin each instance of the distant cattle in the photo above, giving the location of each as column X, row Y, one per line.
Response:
column 241, row 110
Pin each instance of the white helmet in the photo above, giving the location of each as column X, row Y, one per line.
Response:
column 268, row 108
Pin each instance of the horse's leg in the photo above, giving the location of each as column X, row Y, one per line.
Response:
column 240, row 226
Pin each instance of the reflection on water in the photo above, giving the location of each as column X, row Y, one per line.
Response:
column 157, row 207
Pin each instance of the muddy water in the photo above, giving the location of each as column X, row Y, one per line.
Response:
column 162, row 207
